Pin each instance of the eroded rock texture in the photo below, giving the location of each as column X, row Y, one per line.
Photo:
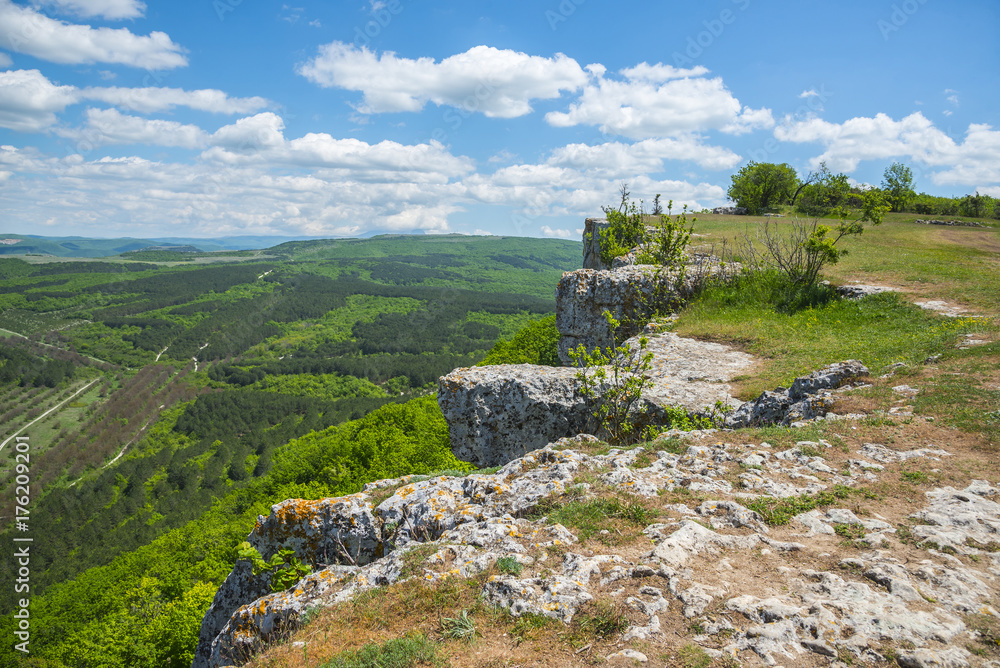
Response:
column 757, row 593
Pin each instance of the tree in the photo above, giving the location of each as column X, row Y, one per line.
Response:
column 760, row 186
column 897, row 182
column 826, row 193
column 799, row 255
column 657, row 207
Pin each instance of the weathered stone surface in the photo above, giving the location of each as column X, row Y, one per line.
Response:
column 871, row 599
column 629, row 293
column 498, row 413
column 632, row 293
column 592, row 228
column 859, row 291
column 807, row 399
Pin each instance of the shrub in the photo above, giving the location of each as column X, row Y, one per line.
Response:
column 613, row 379
column 800, row 256
column 538, row 343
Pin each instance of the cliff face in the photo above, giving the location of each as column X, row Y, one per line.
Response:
column 759, row 591
column 719, row 538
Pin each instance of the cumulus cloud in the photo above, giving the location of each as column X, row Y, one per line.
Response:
column 660, row 101
column 914, row 137
column 557, row 233
column 497, row 82
column 151, row 99
column 619, row 160
column 107, row 9
column 259, row 140
column 5, row 60
column 29, row 101
column 25, row 30
column 109, row 126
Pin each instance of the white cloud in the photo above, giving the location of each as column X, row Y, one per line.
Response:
column 660, row 101
column 808, row 93
column 498, row 83
column 109, row 126
column 659, row 72
column 558, row 233
column 29, row 101
column 108, row 9
column 5, row 60
column 25, row 30
column 147, row 100
column 251, row 134
column 974, row 161
column 107, row 75
column 259, row 140
column 618, row 160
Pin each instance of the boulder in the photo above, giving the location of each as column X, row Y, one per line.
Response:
column 321, row 532
column 498, row 413
column 592, row 228
column 630, row 293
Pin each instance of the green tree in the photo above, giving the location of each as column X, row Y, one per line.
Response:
column 826, row 193
column 759, row 186
column 897, row 182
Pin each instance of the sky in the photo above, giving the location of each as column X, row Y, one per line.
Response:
column 207, row 118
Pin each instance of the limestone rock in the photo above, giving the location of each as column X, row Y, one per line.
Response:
column 592, row 228
column 807, row 399
column 498, row 413
column 629, row 293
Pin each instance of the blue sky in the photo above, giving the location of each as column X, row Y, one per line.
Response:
column 224, row 117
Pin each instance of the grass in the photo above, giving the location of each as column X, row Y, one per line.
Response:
column 417, row 650
column 780, row 511
column 692, row 656
column 460, row 627
column 958, row 265
column 878, row 330
column 589, row 517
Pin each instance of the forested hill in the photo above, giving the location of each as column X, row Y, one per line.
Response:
column 167, row 402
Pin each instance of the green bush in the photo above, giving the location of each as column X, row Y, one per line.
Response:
column 538, row 343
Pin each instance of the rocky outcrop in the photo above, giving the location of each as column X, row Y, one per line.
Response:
column 498, row 413
column 757, row 592
column 808, row 398
column 631, row 294
column 951, row 223
column 592, row 229
column 730, row 210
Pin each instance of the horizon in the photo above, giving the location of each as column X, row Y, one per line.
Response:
column 323, row 120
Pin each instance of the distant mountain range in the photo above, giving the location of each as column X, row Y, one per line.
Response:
column 23, row 244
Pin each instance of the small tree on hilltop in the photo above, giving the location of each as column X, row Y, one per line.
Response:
column 897, row 182
column 760, row 186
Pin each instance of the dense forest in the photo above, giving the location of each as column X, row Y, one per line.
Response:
column 170, row 400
